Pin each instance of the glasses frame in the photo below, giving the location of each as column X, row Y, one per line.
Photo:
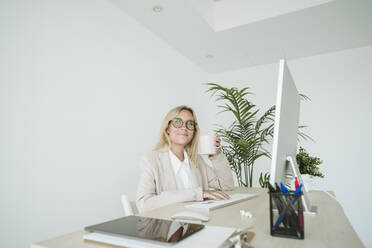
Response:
column 182, row 122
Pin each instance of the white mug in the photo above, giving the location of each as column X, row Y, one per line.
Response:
column 207, row 144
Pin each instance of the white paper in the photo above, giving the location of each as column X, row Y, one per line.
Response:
column 209, row 236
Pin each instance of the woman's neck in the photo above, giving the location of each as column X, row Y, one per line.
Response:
column 178, row 151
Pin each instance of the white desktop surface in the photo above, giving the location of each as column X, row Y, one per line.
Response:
column 329, row 228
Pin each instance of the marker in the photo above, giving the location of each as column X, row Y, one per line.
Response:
column 271, row 188
column 284, row 189
column 296, row 183
column 277, row 187
column 298, row 190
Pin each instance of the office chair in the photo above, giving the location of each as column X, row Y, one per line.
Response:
column 128, row 207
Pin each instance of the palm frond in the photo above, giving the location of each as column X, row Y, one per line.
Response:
column 268, row 116
column 304, row 97
column 303, row 135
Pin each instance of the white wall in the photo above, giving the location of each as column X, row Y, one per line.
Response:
column 338, row 117
column 83, row 90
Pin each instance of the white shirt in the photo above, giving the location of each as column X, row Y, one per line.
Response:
column 182, row 171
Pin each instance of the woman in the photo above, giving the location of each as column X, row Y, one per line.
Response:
column 174, row 172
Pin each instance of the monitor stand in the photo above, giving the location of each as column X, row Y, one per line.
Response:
column 309, row 209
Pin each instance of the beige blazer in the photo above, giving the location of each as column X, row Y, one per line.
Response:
column 158, row 187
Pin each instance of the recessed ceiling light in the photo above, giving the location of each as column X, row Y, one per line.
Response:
column 157, row 8
column 209, row 56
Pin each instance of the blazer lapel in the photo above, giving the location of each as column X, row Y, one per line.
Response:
column 168, row 169
column 196, row 173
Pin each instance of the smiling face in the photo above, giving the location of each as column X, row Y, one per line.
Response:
column 181, row 136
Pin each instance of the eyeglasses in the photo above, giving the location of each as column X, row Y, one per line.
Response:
column 178, row 123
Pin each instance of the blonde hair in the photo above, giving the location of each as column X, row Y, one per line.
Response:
column 192, row 147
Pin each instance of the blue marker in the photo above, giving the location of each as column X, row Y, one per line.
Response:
column 284, row 189
column 298, row 190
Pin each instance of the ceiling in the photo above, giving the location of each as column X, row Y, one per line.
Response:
column 221, row 35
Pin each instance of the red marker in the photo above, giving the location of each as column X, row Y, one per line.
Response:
column 296, row 183
column 300, row 221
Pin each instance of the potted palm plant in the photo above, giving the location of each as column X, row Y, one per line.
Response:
column 247, row 134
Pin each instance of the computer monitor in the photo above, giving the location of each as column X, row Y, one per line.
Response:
column 283, row 166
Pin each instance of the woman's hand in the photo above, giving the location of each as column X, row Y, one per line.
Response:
column 215, row 195
column 218, row 143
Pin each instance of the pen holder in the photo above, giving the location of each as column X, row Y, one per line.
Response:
column 286, row 215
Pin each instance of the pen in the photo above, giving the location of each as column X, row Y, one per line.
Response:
column 300, row 215
column 292, row 217
column 300, row 218
column 277, row 187
column 281, row 205
column 296, row 183
column 278, row 203
column 298, row 190
column 271, row 188
column 281, row 208
column 283, row 189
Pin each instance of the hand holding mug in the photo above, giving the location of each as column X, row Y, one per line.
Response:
column 217, row 143
column 209, row 144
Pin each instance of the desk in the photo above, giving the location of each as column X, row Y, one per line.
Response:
column 329, row 228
